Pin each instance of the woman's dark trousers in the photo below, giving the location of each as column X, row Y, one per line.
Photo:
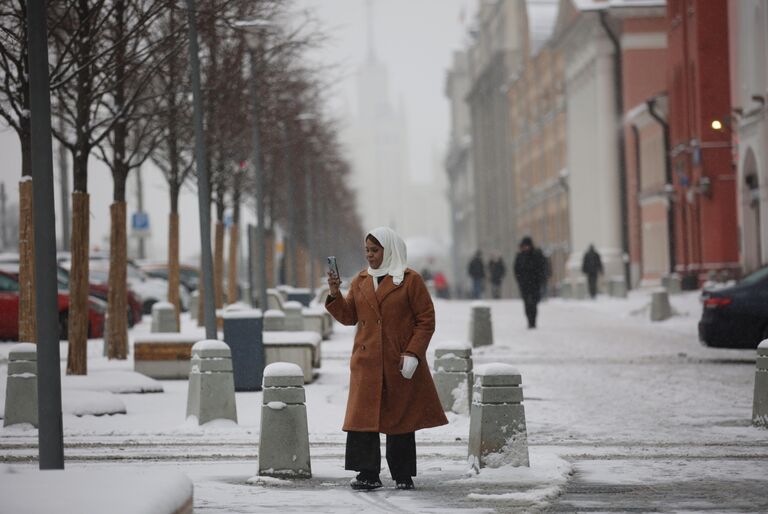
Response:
column 531, row 302
column 592, row 283
column 364, row 453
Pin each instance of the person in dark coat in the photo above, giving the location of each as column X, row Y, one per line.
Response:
column 390, row 386
column 476, row 272
column 497, row 272
column 592, row 266
column 530, row 272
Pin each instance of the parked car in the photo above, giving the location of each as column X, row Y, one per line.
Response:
column 736, row 316
column 188, row 275
column 9, row 310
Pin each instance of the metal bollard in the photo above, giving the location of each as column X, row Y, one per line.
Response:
column 660, row 307
column 760, row 405
column 163, row 318
column 211, row 393
column 453, row 375
column 284, row 438
column 244, row 335
column 294, row 321
column 480, row 325
column 21, row 391
column 497, row 431
column 274, row 320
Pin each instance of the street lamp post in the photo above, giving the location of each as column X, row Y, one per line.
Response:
column 305, row 119
column 254, row 31
column 203, row 185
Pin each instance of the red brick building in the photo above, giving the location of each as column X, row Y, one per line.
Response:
column 704, row 197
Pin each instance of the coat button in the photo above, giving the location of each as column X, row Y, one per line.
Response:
column 362, row 347
column 378, row 321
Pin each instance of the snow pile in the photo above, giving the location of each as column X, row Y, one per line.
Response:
column 117, row 381
column 94, row 491
column 268, row 481
column 461, row 399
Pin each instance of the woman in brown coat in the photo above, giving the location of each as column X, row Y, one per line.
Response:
column 390, row 387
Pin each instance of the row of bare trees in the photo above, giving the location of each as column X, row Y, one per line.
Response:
column 120, row 91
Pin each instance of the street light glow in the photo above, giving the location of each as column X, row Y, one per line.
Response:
column 717, row 125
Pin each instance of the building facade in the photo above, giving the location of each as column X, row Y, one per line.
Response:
column 458, row 167
column 704, row 177
column 748, row 35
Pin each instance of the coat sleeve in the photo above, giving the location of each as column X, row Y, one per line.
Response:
column 343, row 309
column 424, row 315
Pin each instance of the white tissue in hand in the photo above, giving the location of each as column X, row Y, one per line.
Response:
column 409, row 366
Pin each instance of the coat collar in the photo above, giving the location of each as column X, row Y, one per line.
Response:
column 375, row 297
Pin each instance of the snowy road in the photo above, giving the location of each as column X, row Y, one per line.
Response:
column 623, row 415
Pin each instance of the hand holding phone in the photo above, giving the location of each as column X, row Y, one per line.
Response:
column 334, row 279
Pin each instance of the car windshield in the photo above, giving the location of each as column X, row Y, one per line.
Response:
column 756, row 276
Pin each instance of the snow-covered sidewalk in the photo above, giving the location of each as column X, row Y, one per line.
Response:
column 611, row 399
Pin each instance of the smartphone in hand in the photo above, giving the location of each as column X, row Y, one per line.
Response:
column 332, row 266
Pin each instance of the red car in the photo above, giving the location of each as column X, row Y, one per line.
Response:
column 9, row 311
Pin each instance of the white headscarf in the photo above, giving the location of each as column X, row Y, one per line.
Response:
column 395, row 255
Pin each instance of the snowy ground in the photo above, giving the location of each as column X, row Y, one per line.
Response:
column 623, row 414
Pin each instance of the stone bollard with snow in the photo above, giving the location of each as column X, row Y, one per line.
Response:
column 453, row 375
column 480, row 325
column 579, row 289
column 672, row 282
column 760, row 405
column 194, row 303
column 617, row 287
column 314, row 320
column 497, row 431
column 566, row 290
column 163, row 318
column 284, row 439
column 660, row 307
column 21, row 390
column 211, row 384
column 294, row 321
column 274, row 300
column 274, row 321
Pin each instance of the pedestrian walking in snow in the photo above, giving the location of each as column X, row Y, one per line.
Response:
column 592, row 266
column 530, row 272
column 390, row 387
column 476, row 272
column 497, row 272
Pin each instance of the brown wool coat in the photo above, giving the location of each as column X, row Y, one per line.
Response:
column 390, row 321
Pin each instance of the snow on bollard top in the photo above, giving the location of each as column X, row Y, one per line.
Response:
column 480, row 303
column 496, row 368
column 274, row 313
column 762, row 346
column 31, row 348
column 237, row 306
column 210, row 344
column 241, row 313
column 283, row 369
column 162, row 305
column 293, row 305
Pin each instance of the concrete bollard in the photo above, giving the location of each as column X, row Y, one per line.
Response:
column 453, row 375
column 299, row 294
column 314, row 320
column 760, row 405
column 480, row 325
column 243, row 333
column 274, row 300
column 211, row 385
column 660, row 307
column 566, row 290
column 497, row 431
column 617, row 287
column 21, row 390
column 284, row 439
column 194, row 304
column 580, row 289
column 274, row 321
column 163, row 318
column 294, row 321
column 672, row 282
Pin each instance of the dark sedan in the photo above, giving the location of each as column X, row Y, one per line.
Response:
column 737, row 316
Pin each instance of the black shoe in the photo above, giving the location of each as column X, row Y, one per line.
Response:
column 404, row 483
column 365, row 481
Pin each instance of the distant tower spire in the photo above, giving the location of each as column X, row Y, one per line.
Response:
column 369, row 19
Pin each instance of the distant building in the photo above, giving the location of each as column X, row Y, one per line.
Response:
column 700, row 137
column 496, row 54
column 748, row 34
column 458, row 167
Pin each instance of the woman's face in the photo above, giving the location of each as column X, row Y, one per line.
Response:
column 374, row 254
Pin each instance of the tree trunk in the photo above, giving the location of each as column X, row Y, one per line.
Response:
column 218, row 265
column 173, row 265
column 27, row 332
column 117, row 320
column 234, row 238
column 77, row 358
